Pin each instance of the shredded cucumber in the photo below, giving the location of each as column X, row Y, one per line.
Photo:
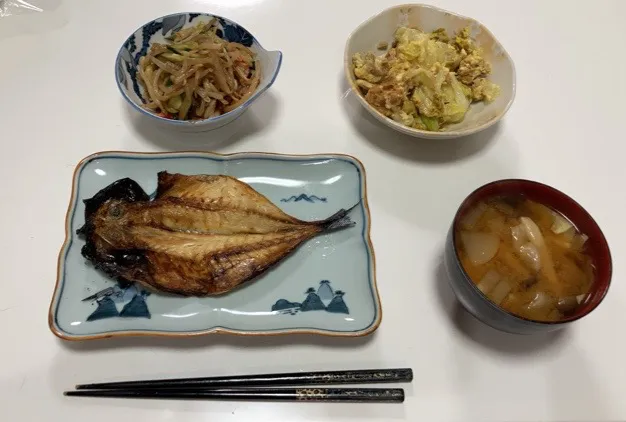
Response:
column 175, row 102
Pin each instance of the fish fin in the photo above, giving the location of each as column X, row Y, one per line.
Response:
column 340, row 223
column 339, row 220
column 119, row 264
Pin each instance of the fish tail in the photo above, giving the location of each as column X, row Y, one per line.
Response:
column 339, row 220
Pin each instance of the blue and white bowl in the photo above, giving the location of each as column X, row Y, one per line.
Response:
column 139, row 42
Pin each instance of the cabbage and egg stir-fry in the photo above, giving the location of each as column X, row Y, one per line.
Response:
column 197, row 75
column 426, row 80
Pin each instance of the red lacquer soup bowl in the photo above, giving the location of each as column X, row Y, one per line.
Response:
column 491, row 314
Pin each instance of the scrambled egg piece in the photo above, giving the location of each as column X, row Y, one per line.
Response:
column 440, row 34
column 368, row 67
column 463, row 41
column 472, row 67
column 484, row 90
column 426, row 80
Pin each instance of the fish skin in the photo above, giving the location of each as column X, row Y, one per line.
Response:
column 202, row 235
column 219, row 192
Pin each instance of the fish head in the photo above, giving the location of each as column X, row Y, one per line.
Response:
column 111, row 223
column 111, row 244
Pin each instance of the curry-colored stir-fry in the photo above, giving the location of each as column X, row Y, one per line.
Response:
column 426, row 80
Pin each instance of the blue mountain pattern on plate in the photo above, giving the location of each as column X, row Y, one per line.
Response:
column 131, row 297
column 304, row 197
column 282, row 304
column 106, row 309
column 137, row 307
column 324, row 299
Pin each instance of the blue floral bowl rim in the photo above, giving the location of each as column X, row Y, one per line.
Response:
column 210, row 119
column 367, row 237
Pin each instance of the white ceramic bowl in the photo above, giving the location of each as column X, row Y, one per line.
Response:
column 382, row 26
column 155, row 31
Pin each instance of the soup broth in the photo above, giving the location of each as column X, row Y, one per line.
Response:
column 525, row 257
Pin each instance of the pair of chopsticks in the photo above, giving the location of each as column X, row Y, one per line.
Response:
column 298, row 386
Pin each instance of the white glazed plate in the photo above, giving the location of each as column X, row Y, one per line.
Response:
column 328, row 286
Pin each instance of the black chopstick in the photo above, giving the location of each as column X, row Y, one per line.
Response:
column 362, row 376
column 354, row 395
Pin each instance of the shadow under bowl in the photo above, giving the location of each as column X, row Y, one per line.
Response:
column 479, row 304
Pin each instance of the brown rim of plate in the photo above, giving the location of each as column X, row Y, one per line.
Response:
column 347, row 66
column 51, row 311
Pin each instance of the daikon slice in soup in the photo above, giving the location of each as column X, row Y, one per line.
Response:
column 525, row 257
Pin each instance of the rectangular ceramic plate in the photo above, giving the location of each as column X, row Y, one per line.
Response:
column 328, row 286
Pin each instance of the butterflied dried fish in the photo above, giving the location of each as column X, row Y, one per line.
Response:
column 202, row 235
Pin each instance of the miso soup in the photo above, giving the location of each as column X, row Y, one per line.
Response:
column 525, row 257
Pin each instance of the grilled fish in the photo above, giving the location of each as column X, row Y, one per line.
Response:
column 202, row 235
